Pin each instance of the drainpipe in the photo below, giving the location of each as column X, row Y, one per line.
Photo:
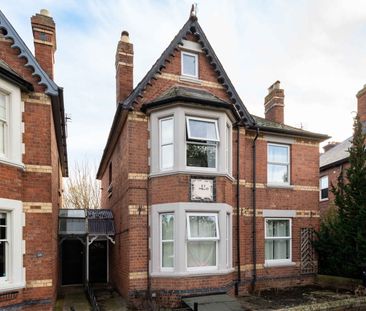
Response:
column 254, row 203
column 237, row 283
column 148, row 238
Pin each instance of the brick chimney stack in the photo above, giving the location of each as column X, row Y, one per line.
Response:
column 124, row 67
column 44, row 35
column 274, row 103
column 361, row 105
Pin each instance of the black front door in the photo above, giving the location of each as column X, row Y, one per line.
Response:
column 72, row 262
column 98, row 262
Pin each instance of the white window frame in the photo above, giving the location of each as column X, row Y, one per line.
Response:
column 191, row 137
column 180, row 211
column 190, row 238
column 228, row 240
column 288, row 164
column 162, row 241
column 6, row 241
column 14, row 126
column 5, row 123
column 14, row 265
column 192, row 140
column 196, row 64
column 320, row 188
column 161, row 144
column 202, row 239
column 278, row 262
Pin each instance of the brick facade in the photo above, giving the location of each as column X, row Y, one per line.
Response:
column 36, row 183
column 135, row 192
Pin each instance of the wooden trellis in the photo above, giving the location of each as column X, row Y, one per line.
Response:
column 308, row 257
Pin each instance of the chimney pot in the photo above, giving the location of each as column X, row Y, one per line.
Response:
column 45, row 12
column 125, row 37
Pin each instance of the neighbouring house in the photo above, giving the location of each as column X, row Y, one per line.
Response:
column 33, row 160
column 201, row 189
column 334, row 160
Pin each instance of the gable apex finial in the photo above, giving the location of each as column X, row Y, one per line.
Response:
column 193, row 14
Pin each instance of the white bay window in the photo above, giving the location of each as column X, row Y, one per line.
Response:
column 200, row 233
column 184, row 139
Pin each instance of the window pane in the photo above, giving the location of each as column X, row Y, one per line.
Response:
column 278, row 228
column 201, row 155
column 2, row 258
column 189, row 65
column 2, row 106
column 167, row 131
column 324, row 193
column 167, row 255
column 2, row 137
column 202, row 226
column 204, row 130
column 72, row 226
column 324, row 182
column 167, row 227
column 278, row 154
column 277, row 173
column 201, row 253
column 167, row 156
column 277, row 249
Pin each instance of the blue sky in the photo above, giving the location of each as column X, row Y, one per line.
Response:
column 315, row 48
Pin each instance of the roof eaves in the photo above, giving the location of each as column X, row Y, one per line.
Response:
column 51, row 87
column 306, row 134
column 181, row 98
column 333, row 164
column 16, row 79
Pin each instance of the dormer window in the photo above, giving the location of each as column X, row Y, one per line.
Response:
column 190, row 64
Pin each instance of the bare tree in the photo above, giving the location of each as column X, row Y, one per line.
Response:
column 82, row 189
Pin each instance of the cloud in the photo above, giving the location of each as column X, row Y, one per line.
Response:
column 315, row 48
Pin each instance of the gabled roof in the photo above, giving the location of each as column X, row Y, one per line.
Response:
column 275, row 127
column 179, row 93
column 192, row 27
column 337, row 155
column 54, row 91
column 51, row 87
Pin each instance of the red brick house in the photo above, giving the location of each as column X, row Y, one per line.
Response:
column 200, row 188
column 33, row 160
column 334, row 160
